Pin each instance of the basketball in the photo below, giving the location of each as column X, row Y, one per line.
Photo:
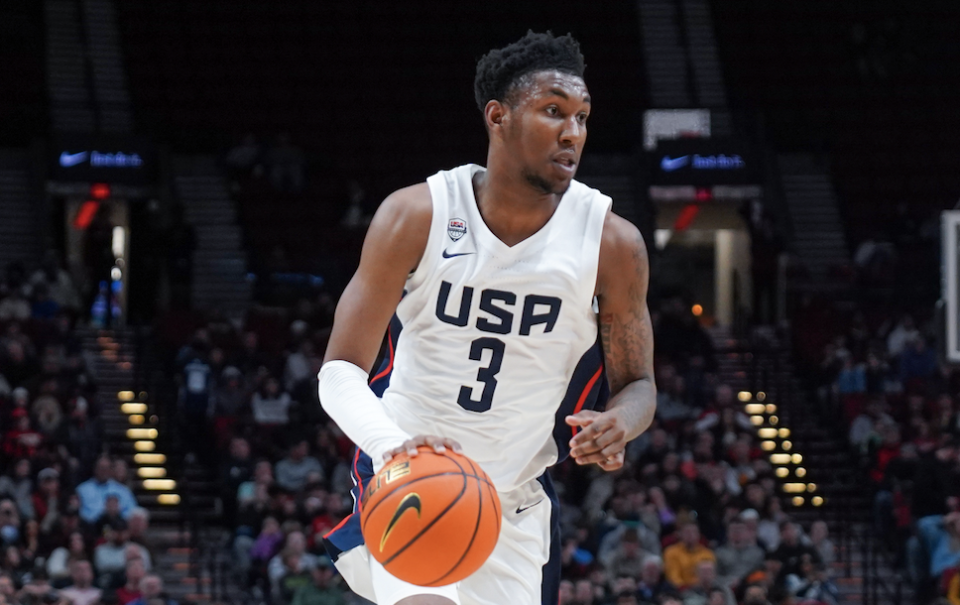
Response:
column 430, row 520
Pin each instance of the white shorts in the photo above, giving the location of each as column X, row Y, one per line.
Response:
column 513, row 574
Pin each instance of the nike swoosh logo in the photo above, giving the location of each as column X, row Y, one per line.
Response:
column 410, row 501
column 520, row 510
column 72, row 159
column 448, row 255
column 668, row 164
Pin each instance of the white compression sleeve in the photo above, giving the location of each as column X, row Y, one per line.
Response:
column 345, row 395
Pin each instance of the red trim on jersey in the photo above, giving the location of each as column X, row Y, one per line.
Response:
column 339, row 525
column 356, row 474
column 386, row 371
column 586, row 391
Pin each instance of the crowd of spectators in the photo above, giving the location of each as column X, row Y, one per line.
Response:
column 71, row 530
column 880, row 373
column 695, row 516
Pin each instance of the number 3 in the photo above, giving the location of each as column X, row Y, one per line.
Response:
column 485, row 375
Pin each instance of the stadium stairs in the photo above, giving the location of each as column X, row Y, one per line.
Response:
column 219, row 262
column 817, row 462
column 819, row 241
column 178, row 495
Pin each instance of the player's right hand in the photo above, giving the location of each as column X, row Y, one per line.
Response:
column 439, row 445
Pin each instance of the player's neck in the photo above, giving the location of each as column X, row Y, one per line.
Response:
column 511, row 208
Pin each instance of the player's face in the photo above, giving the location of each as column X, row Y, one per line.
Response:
column 548, row 128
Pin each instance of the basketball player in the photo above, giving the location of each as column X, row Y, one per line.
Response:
column 490, row 276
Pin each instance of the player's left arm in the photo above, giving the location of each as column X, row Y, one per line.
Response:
column 627, row 337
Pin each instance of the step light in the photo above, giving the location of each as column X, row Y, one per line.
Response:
column 152, row 472
column 142, row 433
column 767, row 433
column 798, row 500
column 150, row 458
column 133, row 408
column 800, row 472
column 168, row 499
column 125, row 395
column 745, row 396
column 780, row 459
column 756, row 420
column 784, row 433
column 136, row 419
column 782, row 472
column 817, row 501
column 796, row 458
column 754, row 408
column 794, row 488
column 159, row 484
column 144, row 446
column 771, row 408
column 768, row 446
column 773, row 420
column 761, row 396
column 787, row 446
column 811, row 487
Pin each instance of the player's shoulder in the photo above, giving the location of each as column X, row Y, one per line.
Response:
column 410, row 203
column 621, row 236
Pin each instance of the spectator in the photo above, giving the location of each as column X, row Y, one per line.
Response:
column 230, row 399
column 43, row 306
column 81, row 591
column 627, row 558
column 819, row 539
column 792, row 549
column 918, row 362
column 286, row 163
column 321, row 590
column 866, row 423
column 293, row 579
column 151, row 592
column 270, row 405
column 19, row 487
column 811, row 583
column 652, row 583
column 299, row 366
column 93, row 493
column 8, row 588
column 60, row 563
column 138, row 524
column 701, row 592
column 14, row 306
column 297, row 468
column 294, row 546
column 55, row 279
column 739, row 556
column 134, row 573
column 110, row 558
column 901, row 334
column 939, row 537
column 680, row 560
column 23, row 441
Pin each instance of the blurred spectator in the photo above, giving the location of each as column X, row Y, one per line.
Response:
column 811, row 583
column 294, row 471
column 868, row 422
column 60, row 563
column 294, row 549
column 110, row 557
column 94, row 491
column 43, row 306
column 739, row 556
column 680, row 560
column 52, row 277
column 918, row 362
column 286, row 163
column 134, row 572
column 81, row 590
column 321, row 590
column 627, row 559
column 652, row 583
column 900, row 335
column 243, row 159
column 15, row 306
column 270, row 405
column 19, row 487
column 791, row 550
column 151, row 592
column 819, row 539
column 702, row 591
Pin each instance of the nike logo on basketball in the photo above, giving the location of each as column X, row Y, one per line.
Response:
column 410, row 501
column 520, row 510
column 448, row 255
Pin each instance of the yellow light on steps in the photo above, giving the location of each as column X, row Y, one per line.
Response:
column 745, row 396
column 136, row 419
column 144, row 446
column 134, row 408
column 151, row 472
column 125, row 395
column 150, row 458
column 142, row 433
column 159, row 484
column 168, row 499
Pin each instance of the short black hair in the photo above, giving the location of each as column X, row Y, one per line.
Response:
column 499, row 70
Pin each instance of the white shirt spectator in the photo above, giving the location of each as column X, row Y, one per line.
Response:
column 271, row 410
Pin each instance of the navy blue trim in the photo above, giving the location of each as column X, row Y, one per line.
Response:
column 348, row 536
column 380, row 385
column 550, row 584
column 596, row 399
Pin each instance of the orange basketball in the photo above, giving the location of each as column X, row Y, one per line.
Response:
column 432, row 519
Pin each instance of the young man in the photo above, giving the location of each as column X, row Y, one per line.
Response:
column 491, row 276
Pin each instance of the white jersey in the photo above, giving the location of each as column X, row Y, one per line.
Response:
column 494, row 345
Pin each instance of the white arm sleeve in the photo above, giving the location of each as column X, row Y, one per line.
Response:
column 345, row 395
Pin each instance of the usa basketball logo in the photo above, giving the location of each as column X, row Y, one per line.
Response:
column 457, row 228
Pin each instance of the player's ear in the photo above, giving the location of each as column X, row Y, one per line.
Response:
column 494, row 114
